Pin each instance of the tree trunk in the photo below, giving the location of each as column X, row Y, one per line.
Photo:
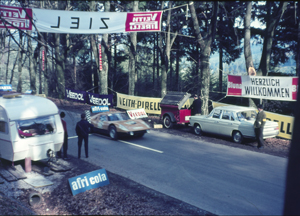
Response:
column 298, row 44
column 19, row 87
column 166, row 56
column 247, row 36
column 132, row 56
column 60, row 67
column 272, row 22
column 220, row 67
column 7, row 63
column 32, row 64
column 177, row 67
column 205, row 50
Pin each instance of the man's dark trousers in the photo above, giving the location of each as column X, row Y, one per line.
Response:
column 86, row 139
column 259, row 136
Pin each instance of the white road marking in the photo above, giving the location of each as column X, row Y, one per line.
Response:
column 141, row 146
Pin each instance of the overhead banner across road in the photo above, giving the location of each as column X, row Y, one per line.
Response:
column 264, row 87
column 80, row 22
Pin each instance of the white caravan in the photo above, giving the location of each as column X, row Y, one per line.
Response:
column 30, row 126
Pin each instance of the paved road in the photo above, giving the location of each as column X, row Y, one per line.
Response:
column 216, row 178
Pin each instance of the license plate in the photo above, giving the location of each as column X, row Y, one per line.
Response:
column 187, row 118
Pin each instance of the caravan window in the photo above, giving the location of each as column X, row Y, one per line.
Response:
column 3, row 127
column 36, row 127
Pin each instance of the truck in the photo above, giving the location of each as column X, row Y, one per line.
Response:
column 172, row 110
column 30, row 127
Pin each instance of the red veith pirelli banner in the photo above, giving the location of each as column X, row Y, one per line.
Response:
column 264, row 87
column 80, row 22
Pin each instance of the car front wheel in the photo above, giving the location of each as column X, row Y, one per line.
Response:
column 197, row 130
column 113, row 132
column 237, row 137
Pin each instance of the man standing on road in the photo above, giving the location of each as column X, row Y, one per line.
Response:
column 65, row 144
column 196, row 106
column 82, row 131
column 259, row 126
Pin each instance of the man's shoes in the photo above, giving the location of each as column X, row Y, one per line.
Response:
column 87, row 156
column 260, row 147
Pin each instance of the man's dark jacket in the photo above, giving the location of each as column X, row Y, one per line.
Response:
column 82, row 128
column 196, row 107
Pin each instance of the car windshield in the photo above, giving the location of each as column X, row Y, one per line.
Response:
column 118, row 117
column 246, row 115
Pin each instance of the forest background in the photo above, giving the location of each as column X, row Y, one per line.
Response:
column 201, row 42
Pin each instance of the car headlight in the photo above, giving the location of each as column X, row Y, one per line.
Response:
column 122, row 127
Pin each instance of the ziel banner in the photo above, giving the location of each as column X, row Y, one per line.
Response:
column 79, row 22
column 264, row 87
column 285, row 123
column 151, row 105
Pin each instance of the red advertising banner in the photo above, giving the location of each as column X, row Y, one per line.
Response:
column 100, row 57
column 15, row 17
column 234, row 85
column 143, row 21
column 43, row 59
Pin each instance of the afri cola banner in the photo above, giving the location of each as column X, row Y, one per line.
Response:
column 89, row 98
column 264, row 87
column 81, row 22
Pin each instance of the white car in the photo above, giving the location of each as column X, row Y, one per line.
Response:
column 233, row 121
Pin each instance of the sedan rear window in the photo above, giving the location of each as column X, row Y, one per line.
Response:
column 246, row 115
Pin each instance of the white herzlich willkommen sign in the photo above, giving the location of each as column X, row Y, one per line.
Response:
column 264, row 87
column 80, row 22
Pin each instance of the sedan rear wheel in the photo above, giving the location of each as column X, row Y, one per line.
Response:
column 237, row 137
column 197, row 130
column 113, row 132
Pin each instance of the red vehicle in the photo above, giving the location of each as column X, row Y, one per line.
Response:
column 172, row 111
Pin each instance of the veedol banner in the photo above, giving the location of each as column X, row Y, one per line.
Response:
column 75, row 95
column 100, row 100
column 137, row 113
column 16, row 16
column 151, row 105
column 285, row 123
column 264, row 87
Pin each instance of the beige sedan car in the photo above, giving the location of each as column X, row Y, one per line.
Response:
column 118, row 123
column 232, row 121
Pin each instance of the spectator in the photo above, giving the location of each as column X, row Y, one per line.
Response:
column 65, row 144
column 82, row 131
column 196, row 106
column 259, row 126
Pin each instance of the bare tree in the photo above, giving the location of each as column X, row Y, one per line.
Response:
column 247, row 36
column 205, row 43
column 132, row 55
column 19, row 87
column 272, row 22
